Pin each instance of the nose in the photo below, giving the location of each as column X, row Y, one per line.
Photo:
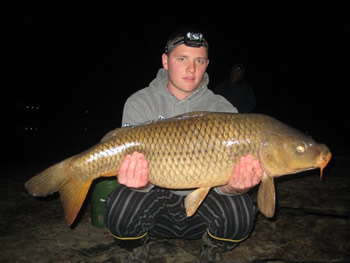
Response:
column 191, row 67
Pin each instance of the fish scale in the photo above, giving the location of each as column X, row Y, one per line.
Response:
column 194, row 150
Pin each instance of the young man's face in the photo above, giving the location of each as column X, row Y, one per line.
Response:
column 186, row 67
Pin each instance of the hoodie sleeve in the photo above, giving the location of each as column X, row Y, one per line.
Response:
column 134, row 113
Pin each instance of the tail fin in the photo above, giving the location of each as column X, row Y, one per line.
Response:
column 60, row 178
column 48, row 181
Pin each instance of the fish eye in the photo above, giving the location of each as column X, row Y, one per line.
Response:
column 300, row 148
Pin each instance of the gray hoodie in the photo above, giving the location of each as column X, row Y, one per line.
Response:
column 156, row 101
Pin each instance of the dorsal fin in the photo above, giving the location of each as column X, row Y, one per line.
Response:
column 114, row 133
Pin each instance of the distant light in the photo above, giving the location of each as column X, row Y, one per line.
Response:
column 30, row 129
column 29, row 107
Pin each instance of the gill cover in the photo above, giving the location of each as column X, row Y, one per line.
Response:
column 286, row 154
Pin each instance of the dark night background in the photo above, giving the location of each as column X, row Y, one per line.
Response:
column 68, row 72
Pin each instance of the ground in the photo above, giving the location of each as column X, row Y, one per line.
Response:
column 312, row 224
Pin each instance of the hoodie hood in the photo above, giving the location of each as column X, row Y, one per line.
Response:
column 160, row 84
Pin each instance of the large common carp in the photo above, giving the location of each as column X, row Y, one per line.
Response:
column 194, row 150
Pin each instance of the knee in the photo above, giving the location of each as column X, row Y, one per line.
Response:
column 113, row 211
column 125, row 214
column 236, row 220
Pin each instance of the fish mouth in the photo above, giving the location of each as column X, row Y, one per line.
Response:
column 323, row 161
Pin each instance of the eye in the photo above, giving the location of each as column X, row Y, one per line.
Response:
column 300, row 148
column 201, row 61
column 181, row 59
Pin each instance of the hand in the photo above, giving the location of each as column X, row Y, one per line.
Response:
column 133, row 171
column 246, row 174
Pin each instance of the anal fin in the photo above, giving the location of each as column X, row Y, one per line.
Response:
column 267, row 196
column 194, row 199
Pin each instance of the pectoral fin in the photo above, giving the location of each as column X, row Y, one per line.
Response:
column 194, row 199
column 267, row 196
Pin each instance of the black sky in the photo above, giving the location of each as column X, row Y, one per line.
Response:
column 80, row 65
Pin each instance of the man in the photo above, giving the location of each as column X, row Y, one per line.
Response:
column 236, row 90
column 137, row 209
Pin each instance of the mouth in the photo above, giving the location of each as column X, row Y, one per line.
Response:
column 189, row 79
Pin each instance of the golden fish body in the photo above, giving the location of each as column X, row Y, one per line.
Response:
column 188, row 151
column 194, row 150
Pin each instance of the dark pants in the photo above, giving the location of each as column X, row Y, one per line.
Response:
column 131, row 215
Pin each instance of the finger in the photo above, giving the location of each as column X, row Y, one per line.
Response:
column 235, row 175
column 249, row 173
column 138, row 181
column 130, row 173
column 256, row 173
column 244, row 170
column 258, row 169
column 236, row 178
column 246, row 165
column 249, row 158
column 138, row 170
column 144, row 173
column 123, row 169
column 249, row 162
